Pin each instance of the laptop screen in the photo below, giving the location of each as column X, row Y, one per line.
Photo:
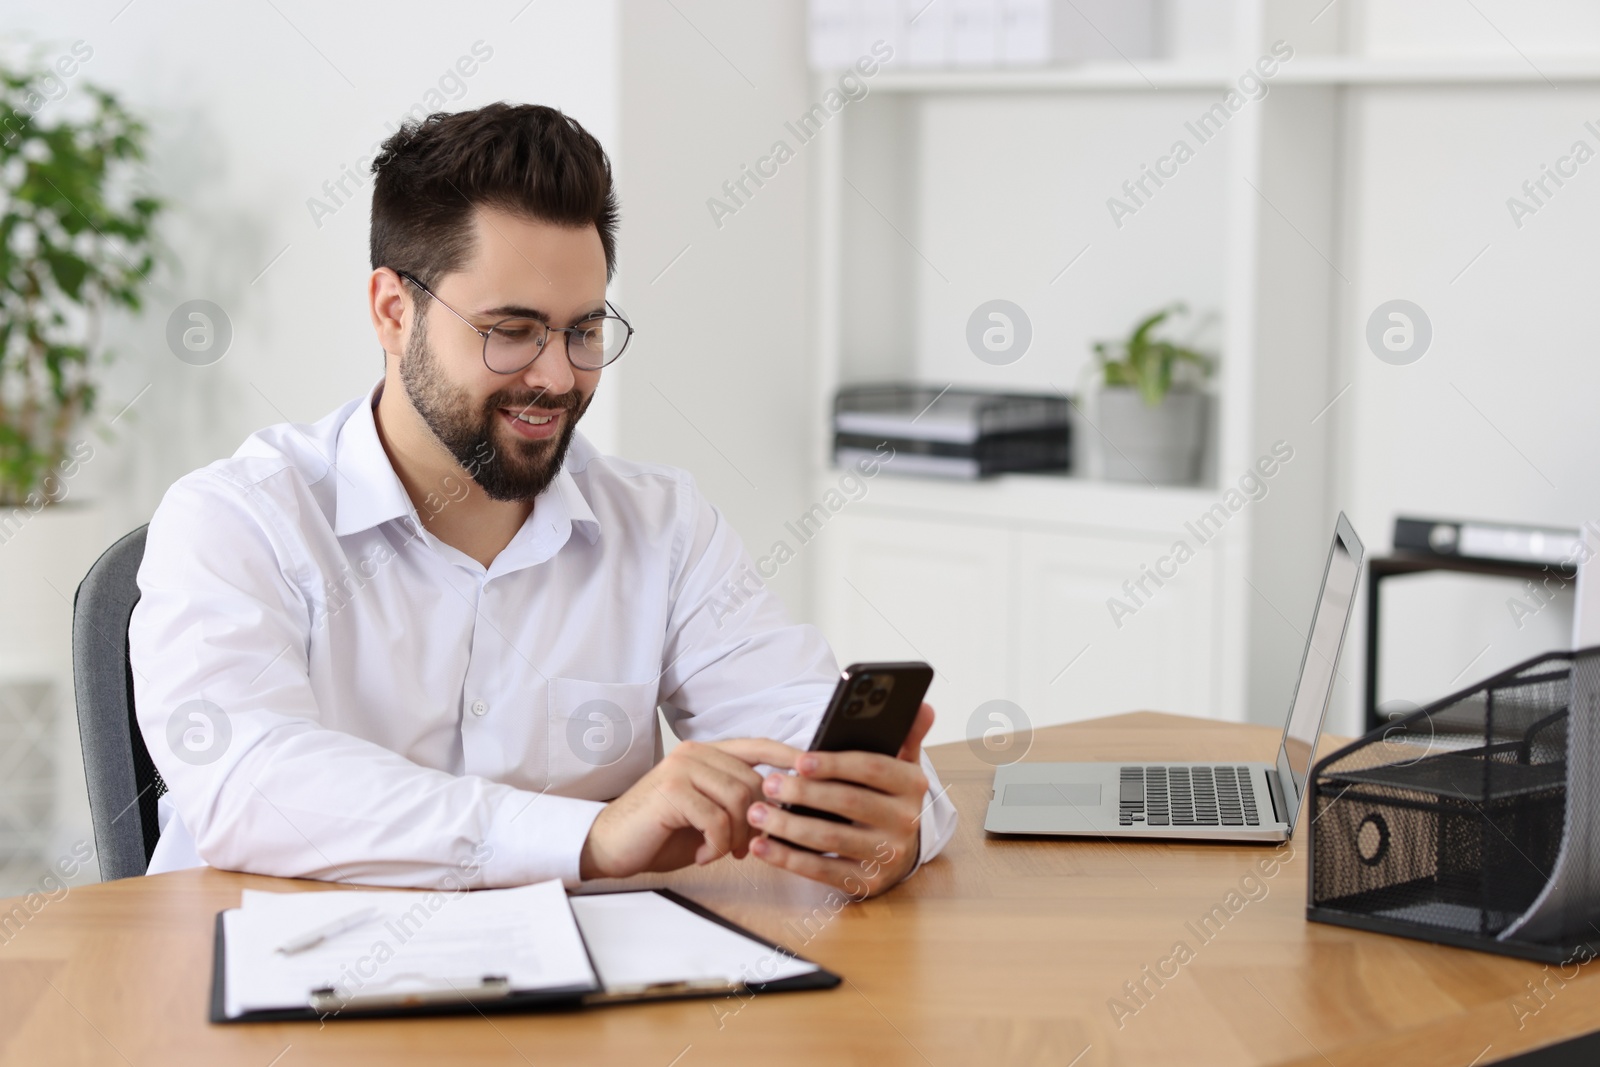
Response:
column 1311, row 694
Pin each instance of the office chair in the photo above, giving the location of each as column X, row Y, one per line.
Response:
column 123, row 783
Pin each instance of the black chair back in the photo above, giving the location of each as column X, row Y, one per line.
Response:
column 123, row 782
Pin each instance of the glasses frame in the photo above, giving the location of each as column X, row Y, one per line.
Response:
column 611, row 312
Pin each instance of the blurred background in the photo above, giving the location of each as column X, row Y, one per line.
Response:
column 861, row 228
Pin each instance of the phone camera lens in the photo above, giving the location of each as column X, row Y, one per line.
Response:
column 853, row 708
column 877, row 696
column 862, row 684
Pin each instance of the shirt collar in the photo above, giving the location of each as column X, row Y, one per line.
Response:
column 577, row 505
column 368, row 492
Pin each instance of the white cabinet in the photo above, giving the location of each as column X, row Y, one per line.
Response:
column 1006, row 597
column 903, row 588
column 1076, row 659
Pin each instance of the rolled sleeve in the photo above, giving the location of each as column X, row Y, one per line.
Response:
column 938, row 824
column 533, row 837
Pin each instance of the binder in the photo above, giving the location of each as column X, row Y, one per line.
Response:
column 950, row 432
column 1551, row 546
column 493, row 994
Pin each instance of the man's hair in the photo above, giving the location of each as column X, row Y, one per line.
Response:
column 525, row 158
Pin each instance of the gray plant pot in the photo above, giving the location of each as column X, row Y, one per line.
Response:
column 1158, row 445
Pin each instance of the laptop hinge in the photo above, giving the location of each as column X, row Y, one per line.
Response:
column 1279, row 805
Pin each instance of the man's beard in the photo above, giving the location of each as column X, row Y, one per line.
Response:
column 518, row 471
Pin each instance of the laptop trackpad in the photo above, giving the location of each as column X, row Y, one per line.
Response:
column 1064, row 794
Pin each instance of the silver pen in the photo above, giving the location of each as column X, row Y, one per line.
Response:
column 321, row 933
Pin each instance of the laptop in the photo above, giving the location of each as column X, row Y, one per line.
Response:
column 1232, row 801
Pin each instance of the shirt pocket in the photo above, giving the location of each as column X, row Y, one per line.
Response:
column 603, row 736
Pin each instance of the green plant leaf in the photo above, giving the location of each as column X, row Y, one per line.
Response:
column 76, row 236
column 1145, row 362
column 69, row 272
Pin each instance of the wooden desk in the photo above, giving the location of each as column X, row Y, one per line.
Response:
column 1001, row 951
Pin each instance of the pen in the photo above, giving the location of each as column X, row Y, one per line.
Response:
column 321, row 933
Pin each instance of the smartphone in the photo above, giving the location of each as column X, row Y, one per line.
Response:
column 872, row 710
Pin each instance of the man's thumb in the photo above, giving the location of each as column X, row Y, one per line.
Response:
column 911, row 751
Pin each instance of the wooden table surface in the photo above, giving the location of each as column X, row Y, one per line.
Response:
column 1000, row 951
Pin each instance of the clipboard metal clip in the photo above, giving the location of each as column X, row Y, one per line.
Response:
column 418, row 990
column 664, row 990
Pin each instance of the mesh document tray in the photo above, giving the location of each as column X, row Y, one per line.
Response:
column 1446, row 825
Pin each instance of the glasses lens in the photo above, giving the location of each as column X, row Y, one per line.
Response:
column 514, row 344
column 601, row 341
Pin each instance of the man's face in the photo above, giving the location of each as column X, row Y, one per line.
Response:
column 510, row 432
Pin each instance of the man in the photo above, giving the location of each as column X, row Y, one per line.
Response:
column 422, row 641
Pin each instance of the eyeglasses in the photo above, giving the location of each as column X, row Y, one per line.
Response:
column 511, row 345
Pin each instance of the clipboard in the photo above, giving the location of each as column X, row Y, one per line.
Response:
column 492, row 994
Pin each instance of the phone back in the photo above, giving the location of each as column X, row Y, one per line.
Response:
column 874, row 708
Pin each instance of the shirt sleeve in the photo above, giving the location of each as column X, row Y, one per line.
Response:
column 738, row 666
column 219, row 644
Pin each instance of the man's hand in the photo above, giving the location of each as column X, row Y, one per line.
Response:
column 881, row 796
column 689, row 808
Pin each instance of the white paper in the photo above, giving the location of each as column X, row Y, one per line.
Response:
column 927, row 32
column 1109, row 30
column 640, row 939
column 876, row 20
column 1025, row 32
column 974, row 32
column 831, row 30
column 417, row 940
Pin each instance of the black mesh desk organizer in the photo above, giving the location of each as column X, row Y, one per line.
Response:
column 1451, row 825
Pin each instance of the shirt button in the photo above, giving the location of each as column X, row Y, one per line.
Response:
column 479, row 707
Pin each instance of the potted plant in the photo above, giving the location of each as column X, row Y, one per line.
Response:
column 76, row 238
column 1150, row 409
column 76, row 241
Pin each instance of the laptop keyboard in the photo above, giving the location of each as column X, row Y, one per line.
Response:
column 1187, row 796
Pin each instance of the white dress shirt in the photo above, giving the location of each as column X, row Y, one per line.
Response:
column 332, row 692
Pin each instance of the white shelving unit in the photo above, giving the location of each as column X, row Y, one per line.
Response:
column 1158, row 75
column 1008, row 580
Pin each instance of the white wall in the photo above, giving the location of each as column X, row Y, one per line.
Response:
column 720, row 382
column 1496, row 421
column 1008, row 213
column 1484, row 28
